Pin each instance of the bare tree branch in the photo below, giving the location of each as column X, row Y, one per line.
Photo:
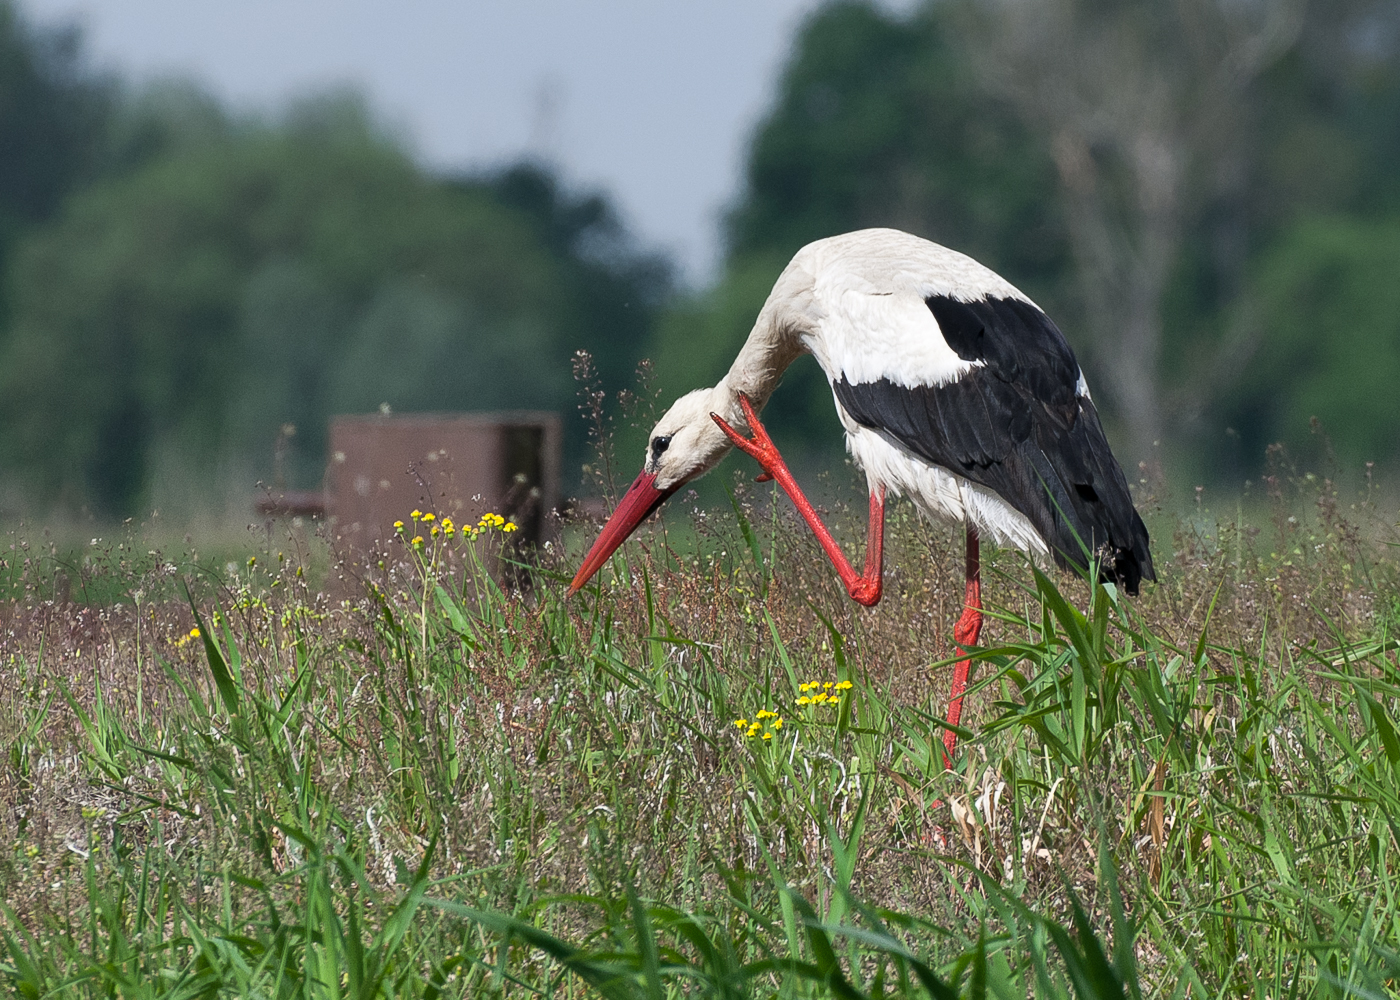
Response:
column 1144, row 105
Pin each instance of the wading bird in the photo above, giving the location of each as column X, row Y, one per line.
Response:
column 953, row 388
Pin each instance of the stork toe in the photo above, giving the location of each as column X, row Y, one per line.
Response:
column 760, row 447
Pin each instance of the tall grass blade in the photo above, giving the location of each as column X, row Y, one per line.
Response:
column 224, row 678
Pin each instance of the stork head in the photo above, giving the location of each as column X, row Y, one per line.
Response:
column 684, row 445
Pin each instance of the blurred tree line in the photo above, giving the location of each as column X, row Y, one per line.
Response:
column 182, row 285
column 1202, row 193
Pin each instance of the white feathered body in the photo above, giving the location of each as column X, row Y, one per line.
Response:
column 865, row 295
column 953, row 388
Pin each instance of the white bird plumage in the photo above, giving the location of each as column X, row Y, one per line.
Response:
column 857, row 304
column 871, row 322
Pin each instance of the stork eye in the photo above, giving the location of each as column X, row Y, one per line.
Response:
column 658, row 445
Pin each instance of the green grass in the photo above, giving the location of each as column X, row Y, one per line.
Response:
column 414, row 784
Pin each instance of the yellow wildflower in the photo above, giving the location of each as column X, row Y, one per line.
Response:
column 194, row 632
column 778, row 723
column 510, row 526
column 804, row 700
column 434, row 532
column 844, row 686
column 767, row 736
column 416, row 514
column 741, row 723
column 417, row 541
column 398, row 526
column 428, row 517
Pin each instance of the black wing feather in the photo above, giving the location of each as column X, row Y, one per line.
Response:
column 1015, row 424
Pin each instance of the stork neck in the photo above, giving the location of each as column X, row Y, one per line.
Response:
column 762, row 360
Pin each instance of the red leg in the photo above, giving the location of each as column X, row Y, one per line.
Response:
column 965, row 632
column 863, row 589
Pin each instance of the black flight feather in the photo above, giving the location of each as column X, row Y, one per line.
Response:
column 1015, row 424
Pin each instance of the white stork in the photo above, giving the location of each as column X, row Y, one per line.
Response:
column 953, row 388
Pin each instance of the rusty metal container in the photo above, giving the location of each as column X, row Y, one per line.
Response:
column 453, row 464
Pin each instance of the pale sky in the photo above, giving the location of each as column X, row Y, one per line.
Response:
column 653, row 102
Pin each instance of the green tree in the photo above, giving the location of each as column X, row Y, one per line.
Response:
column 616, row 289
column 52, row 117
column 878, row 121
column 176, row 316
column 1323, row 136
column 1139, row 169
column 1328, row 292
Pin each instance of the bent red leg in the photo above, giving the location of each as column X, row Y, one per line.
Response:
column 864, row 589
column 965, row 633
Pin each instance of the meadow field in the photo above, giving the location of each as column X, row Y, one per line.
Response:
column 266, row 774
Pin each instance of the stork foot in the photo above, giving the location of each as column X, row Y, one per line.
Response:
column 864, row 589
column 760, row 447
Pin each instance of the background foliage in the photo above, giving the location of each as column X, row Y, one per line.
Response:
column 181, row 284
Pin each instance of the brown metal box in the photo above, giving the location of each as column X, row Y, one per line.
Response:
column 453, row 464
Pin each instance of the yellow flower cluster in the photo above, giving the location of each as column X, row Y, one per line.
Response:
column 447, row 528
column 417, row 540
column 188, row 638
column 496, row 521
column 765, row 725
column 822, row 692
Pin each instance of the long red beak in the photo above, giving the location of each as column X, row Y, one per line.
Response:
column 641, row 498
